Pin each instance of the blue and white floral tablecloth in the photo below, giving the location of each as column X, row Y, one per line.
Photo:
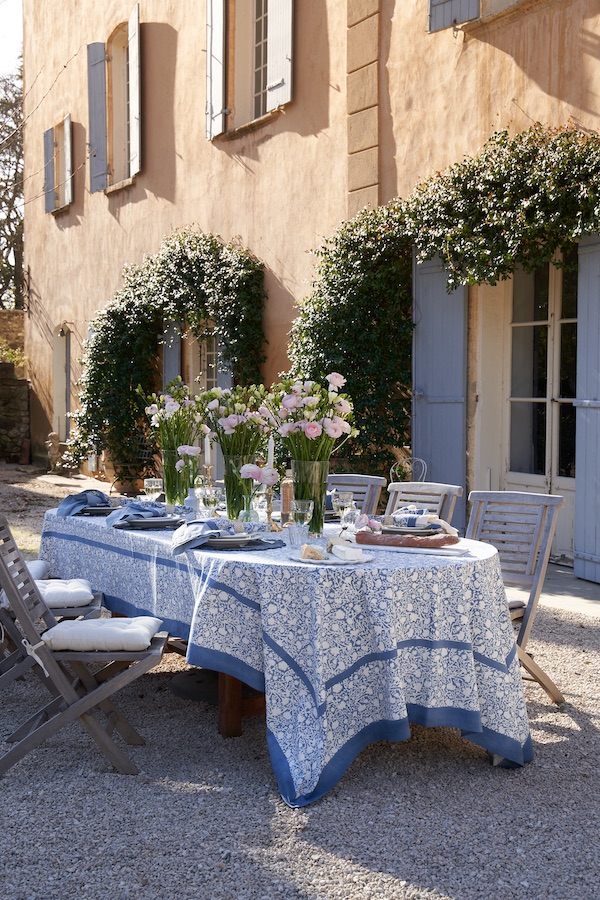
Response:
column 347, row 655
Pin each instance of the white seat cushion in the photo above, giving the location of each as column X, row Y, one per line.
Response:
column 103, row 634
column 63, row 592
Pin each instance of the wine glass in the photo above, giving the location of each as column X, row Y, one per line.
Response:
column 153, row 487
column 350, row 516
column 344, row 502
column 301, row 511
column 211, row 497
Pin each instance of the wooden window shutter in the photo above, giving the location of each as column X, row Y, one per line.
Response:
column 135, row 106
column 68, row 151
column 215, row 67
column 97, row 116
column 445, row 13
column 279, row 53
column 49, row 198
column 587, row 413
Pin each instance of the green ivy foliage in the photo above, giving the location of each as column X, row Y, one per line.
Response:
column 357, row 321
column 194, row 279
column 516, row 203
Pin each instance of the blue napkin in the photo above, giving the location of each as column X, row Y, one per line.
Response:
column 194, row 534
column 409, row 517
column 136, row 511
column 72, row 505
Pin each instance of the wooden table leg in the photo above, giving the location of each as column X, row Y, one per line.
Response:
column 235, row 704
column 230, row 706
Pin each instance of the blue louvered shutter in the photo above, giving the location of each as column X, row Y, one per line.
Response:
column 68, row 153
column 586, row 562
column 279, row 53
column 49, row 199
column 440, row 379
column 135, row 106
column 215, row 67
column 171, row 352
column 97, row 117
column 445, row 13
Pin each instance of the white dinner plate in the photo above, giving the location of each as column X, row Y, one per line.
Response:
column 331, row 560
column 149, row 522
column 231, row 540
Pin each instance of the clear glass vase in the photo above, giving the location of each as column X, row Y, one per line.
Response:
column 176, row 482
column 248, row 513
column 310, row 483
column 236, row 488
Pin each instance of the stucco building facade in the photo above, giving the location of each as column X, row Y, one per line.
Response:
column 356, row 102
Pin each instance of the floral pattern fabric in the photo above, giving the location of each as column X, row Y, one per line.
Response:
column 347, row 655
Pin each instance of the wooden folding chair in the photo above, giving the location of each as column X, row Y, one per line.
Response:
column 79, row 692
column 438, row 498
column 365, row 488
column 521, row 526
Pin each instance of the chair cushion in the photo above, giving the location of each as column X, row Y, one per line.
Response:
column 65, row 592
column 103, row 634
column 38, row 568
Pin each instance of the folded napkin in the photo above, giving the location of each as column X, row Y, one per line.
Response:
column 59, row 592
column 72, row 505
column 422, row 519
column 136, row 511
column 194, row 534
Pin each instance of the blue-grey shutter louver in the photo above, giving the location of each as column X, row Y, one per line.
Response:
column 587, row 413
column 68, row 152
column 215, row 67
column 279, row 53
column 97, row 117
column 135, row 106
column 445, row 13
column 49, row 170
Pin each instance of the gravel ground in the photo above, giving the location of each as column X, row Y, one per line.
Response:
column 428, row 818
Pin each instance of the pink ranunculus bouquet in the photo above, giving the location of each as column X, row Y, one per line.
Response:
column 312, row 419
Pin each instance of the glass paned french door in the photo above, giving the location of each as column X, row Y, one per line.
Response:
column 543, row 370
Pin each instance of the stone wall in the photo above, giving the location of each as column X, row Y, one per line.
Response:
column 14, row 415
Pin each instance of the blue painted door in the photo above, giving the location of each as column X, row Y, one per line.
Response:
column 440, row 378
column 587, row 413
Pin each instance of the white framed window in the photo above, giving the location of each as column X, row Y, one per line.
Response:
column 446, row 13
column 114, row 103
column 248, row 61
column 58, row 166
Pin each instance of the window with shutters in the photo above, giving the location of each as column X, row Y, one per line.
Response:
column 58, row 166
column 446, row 13
column 115, row 107
column 249, row 61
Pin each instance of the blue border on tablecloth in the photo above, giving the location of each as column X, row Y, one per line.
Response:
column 513, row 754
column 173, row 626
column 224, row 662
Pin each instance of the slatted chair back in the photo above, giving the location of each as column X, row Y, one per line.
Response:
column 521, row 526
column 440, row 499
column 365, row 488
column 76, row 689
column 410, row 469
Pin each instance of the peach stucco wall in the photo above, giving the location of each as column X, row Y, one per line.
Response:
column 378, row 105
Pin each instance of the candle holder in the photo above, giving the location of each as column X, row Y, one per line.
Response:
column 274, row 526
column 208, row 475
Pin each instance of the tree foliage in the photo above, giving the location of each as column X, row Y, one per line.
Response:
column 11, row 191
column 357, row 321
column 193, row 280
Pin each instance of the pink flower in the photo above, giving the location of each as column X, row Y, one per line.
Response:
column 291, row 401
column 205, row 429
column 179, row 465
column 342, row 406
column 250, row 471
column 341, row 423
column 332, row 429
column 269, row 475
column 214, row 404
column 310, row 401
column 336, row 380
column 287, row 428
column 374, row 525
column 361, row 521
column 312, row 430
column 152, row 410
column 171, row 407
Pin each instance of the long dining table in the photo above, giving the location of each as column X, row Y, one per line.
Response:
column 347, row 655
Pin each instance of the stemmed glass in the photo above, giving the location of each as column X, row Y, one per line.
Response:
column 301, row 511
column 343, row 501
column 211, row 497
column 153, row 487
